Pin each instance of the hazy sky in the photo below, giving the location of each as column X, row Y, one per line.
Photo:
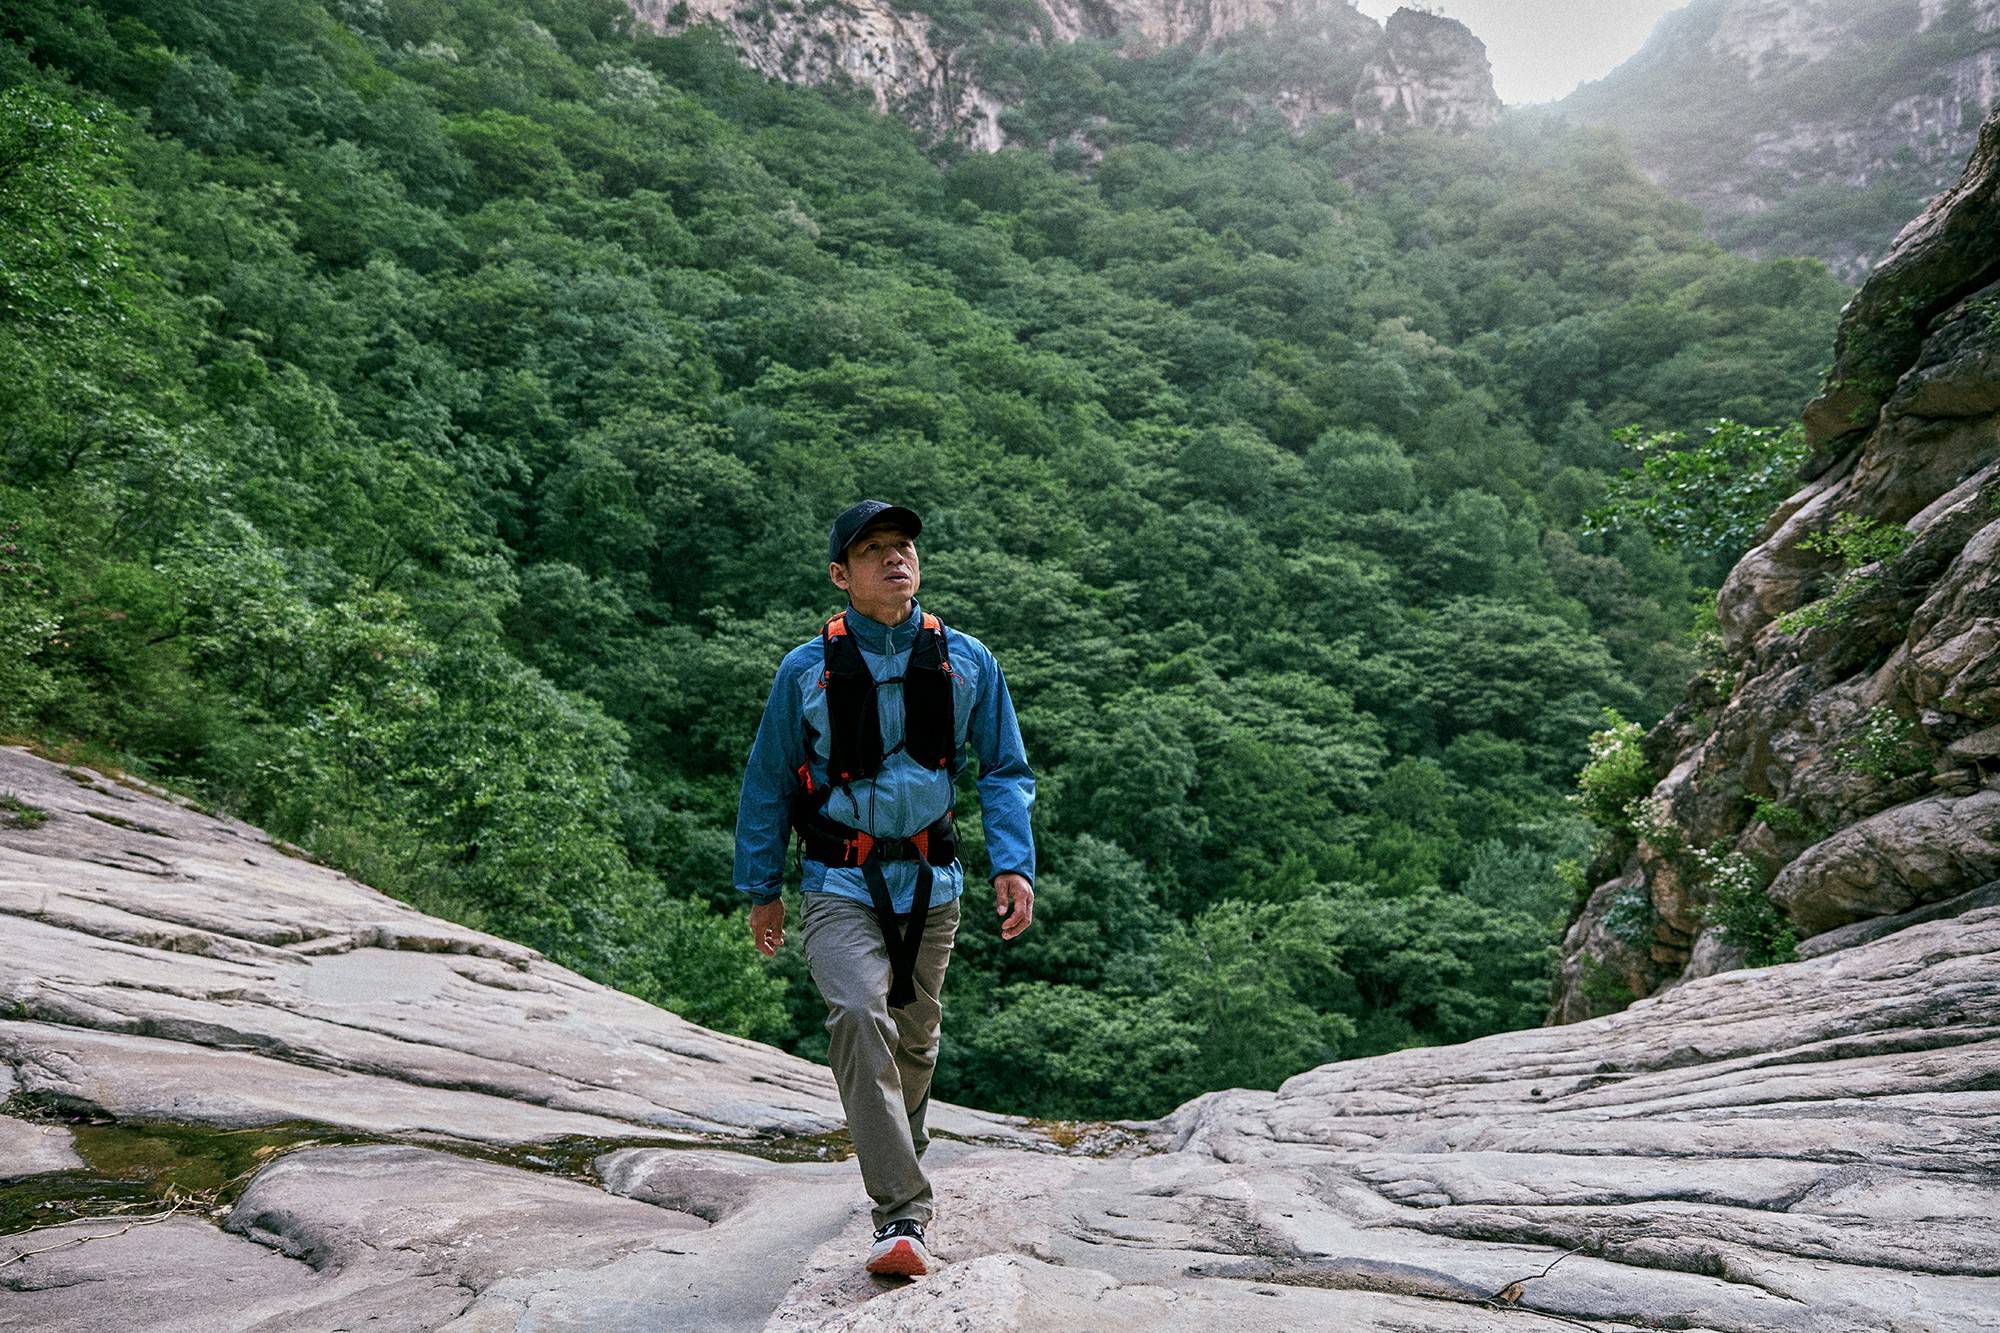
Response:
column 1543, row 48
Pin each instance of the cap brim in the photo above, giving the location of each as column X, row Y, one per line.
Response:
column 895, row 516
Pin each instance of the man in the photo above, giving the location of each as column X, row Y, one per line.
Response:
column 859, row 751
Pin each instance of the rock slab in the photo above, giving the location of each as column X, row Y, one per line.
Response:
column 490, row 1143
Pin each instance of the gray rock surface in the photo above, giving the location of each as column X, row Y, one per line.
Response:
column 1810, row 1147
column 160, row 963
column 1431, row 73
column 31, row 1150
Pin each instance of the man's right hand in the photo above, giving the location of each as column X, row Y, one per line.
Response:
column 767, row 926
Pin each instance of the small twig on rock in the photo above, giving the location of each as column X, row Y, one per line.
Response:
column 1509, row 1296
column 102, row 1235
column 1511, row 1293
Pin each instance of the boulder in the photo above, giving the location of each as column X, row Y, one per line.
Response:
column 1917, row 853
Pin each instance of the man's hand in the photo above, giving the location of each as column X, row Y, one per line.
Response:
column 1014, row 899
column 767, row 926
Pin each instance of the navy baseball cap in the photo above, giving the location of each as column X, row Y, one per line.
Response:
column 866, row 514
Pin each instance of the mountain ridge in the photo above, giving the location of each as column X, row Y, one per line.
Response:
column 1805, row 127
column 1419, row 69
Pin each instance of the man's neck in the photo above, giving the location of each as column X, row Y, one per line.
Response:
column 888, row 616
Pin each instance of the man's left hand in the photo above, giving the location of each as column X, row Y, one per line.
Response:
column 1013, row 899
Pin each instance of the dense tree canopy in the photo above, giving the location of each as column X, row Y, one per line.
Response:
column 419, row 424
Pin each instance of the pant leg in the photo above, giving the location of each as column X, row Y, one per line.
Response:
column 870, row 1047
column 917, row 1023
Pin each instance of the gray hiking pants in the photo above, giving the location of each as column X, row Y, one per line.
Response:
column 882, row 1058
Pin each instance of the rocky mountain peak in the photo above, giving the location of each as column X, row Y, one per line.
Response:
column 1774, row 35
column 1430, row 73
column 1422, row 71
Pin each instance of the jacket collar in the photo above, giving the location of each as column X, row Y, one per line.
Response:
column 876, row 637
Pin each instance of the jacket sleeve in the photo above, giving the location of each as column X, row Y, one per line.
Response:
column 1006, row 783
column 770, row 777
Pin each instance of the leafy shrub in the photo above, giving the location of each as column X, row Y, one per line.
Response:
column 1603, row 988
column 1858, row 541
column 1616, row 775
column 1742, row 912
column 1706, row 497
column 1887, row 747
column 1788, row 819
column 1631, row 916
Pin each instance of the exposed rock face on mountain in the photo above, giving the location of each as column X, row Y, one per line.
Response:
column 1806, row 126
column 387, row 1121
column 1842, row 764
column 1425, row 72
column 1431, row 73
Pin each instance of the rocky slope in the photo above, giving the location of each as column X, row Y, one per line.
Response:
column 1806, row 126
column 1840, row 762
column 1421, row 70
column 243, row 1092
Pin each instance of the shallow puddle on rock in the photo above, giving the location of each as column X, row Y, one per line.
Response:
column 144, row 1166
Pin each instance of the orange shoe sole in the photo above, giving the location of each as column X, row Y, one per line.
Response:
column 900, row 1260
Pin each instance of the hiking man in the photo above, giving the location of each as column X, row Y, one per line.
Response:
column 859, row 750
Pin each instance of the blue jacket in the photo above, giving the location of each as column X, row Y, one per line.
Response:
column 903, row 798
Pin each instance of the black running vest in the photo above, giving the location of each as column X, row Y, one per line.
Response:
column 854, row 721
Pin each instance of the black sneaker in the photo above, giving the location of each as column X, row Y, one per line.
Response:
column 899, row 1249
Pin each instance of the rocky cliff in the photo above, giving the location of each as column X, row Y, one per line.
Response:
column 1806, row 126
column 1431, row 73
column 1836, row 772
column 239, row 1091
column 1422, row 71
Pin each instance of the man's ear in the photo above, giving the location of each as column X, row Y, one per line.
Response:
column 837, row 574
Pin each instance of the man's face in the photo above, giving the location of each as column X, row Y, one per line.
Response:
column 881, row 567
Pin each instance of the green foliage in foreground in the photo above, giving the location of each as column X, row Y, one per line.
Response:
column 418, row 423
column 1705, row 499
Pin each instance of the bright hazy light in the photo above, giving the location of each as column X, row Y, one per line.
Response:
column 1543, row 48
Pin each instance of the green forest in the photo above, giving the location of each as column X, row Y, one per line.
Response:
column 420, row 422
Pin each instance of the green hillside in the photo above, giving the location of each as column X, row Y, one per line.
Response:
column 420, row 421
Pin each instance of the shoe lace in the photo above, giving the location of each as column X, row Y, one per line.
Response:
column 902, row 1226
